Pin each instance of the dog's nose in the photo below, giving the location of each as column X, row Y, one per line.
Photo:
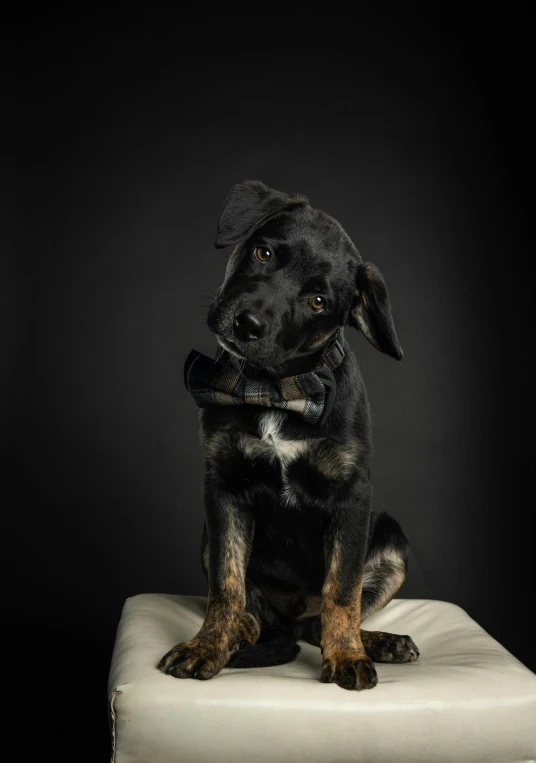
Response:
column 247, row 326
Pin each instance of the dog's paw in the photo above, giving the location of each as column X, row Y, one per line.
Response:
column 198, row 658
column 249, row 629
column 205, row 655
column 350, row 671
column 389, row 647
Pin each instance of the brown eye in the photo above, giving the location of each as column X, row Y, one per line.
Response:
column 317, row 303
column 262, row 253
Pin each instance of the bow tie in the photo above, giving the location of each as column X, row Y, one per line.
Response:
column 309, row 395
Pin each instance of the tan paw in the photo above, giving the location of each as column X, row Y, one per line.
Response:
column 350, row 671
column 205, row 655
column 200, row 658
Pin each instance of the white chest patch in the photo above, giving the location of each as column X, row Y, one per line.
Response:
column 272, row 446
column 270, row 433
column 276, row 448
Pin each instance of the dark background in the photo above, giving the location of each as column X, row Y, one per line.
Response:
column 129, row 131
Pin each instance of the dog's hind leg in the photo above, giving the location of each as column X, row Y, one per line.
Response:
column 386, row 564
column 383, row 574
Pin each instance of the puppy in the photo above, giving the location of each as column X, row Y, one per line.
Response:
column 290, row 547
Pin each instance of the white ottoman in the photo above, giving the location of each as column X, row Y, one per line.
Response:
column 466, row 699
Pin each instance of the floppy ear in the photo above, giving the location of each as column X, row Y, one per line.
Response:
column 247, row 206
column 371, row 311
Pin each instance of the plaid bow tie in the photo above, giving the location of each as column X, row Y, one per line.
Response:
column 309, row 395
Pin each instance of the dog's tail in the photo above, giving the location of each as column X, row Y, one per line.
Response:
column 272, row 648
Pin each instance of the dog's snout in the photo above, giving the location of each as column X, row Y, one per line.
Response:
column 248, row 326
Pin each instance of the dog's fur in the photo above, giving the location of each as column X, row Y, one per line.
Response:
column 290, row 546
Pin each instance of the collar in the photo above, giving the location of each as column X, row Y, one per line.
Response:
column 310, row 395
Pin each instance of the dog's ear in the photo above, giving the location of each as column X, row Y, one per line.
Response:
column 371, row 311
column 247, row 206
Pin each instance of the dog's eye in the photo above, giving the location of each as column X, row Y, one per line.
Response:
column 262, row 253
column 317, row 303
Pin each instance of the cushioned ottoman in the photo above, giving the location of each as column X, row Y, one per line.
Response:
column 466, row 699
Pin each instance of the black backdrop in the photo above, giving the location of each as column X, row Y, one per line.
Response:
column 131, row 129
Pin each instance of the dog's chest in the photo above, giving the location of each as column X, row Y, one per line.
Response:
column 271, row 444
column 273, row 440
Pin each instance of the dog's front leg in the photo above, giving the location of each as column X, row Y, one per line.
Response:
column 227, row 624
column 344, row 660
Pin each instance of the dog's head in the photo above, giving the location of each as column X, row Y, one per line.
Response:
column 293, row 278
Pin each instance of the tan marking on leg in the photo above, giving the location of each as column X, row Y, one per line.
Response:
column 227, row 623
column 340, row 624
column 383, row 574
column 344, row 660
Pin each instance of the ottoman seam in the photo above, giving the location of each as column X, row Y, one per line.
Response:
column 113, row 731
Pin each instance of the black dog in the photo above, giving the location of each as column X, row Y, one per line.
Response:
column 290, row 546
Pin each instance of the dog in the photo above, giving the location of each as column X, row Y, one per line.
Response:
column 291, row 548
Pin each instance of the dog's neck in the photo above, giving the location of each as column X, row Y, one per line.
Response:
column 300, row 364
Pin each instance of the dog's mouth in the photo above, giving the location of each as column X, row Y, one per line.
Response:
column 230, row 346
column 266, row 361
